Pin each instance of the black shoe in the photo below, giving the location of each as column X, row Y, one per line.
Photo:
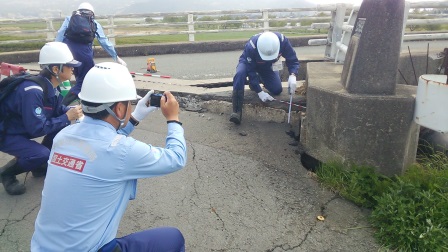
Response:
column 12, row 185
column 9, row 180
column 40, row 172
column 235, row 118
column 237, row 104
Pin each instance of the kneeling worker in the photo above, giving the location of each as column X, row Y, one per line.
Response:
column 260, row 59
column 32, row 111
column 94, row 166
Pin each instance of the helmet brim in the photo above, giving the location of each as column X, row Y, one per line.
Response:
column 73, row 63
column 269, row 57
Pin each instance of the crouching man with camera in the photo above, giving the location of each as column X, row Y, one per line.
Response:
column 94, row 166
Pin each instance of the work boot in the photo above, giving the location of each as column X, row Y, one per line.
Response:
column 40, row 171
column 237, row 102
column 9, row 180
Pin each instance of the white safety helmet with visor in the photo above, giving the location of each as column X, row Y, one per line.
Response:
column 56, row 53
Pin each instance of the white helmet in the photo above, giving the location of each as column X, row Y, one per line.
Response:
column 268, row 46
column 57, row 53
column 108, row 82
column 86, row 6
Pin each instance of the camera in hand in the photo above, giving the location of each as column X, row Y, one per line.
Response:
column 154, row 100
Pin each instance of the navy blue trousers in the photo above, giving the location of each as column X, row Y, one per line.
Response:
column 270, row 79
column 29, row 153
column 82, row 53
column 162, row 239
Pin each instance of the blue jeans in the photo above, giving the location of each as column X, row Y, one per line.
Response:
column 29, row 153
column 162, row 239
column 84, row 54
column 271, row 79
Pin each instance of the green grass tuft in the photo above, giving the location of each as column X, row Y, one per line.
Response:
column 409, row 212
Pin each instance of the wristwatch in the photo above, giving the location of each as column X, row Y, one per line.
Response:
column 174, row 121
column 133, row 121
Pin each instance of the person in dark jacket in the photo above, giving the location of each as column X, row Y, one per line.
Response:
column 29, row 112
column 83, row 51
column 260, row 59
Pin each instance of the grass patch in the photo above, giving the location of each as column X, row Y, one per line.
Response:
column 409, row 212
column 359, row 184
column 21, row 47
column 24, row 26
column 8, row 38
column 218, row 36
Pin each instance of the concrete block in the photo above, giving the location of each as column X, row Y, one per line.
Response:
column 375, row 130
column 421, row 63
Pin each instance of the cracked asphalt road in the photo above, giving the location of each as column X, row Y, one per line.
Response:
column 243, row 189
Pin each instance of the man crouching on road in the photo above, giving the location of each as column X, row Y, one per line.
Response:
column 94, row 167
column 260, row 60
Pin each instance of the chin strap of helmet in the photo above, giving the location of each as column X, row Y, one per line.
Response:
column 55, row 74
column 106, row 106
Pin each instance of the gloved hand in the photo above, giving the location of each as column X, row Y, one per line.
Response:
column 292, row 84
column 120, row 61
column 141, row 109
column 264, row 97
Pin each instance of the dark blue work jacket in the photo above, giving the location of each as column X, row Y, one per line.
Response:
column 28, row 115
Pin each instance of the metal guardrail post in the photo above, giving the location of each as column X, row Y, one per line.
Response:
column 111, row 30
column 407, row 6
column 190, row 28
column 51, row 31
column 347, row 28
column 335, row 31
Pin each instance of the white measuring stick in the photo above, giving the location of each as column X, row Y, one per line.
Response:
column 289, row 111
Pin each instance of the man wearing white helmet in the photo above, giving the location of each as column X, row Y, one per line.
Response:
column 260, row 60
column 78, row 31
column 94, row 166
column 33, row 111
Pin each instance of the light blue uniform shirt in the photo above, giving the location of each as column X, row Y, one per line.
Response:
column 92, row 174
column 102, row 38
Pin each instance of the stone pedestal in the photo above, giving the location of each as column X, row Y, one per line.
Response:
column 372, row 57
column 364, row 129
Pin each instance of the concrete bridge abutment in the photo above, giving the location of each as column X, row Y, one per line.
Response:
column 363, row 129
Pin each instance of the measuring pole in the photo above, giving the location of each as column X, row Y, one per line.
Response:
column 289, row 110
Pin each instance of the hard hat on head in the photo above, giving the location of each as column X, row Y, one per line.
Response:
column 108, row 82
column 57, row 53
column 86, row 6
column 268, row 46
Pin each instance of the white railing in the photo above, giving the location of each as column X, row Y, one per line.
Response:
column 339, row 31
column 259, row 22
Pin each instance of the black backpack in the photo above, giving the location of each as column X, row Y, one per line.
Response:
column 8, row 85
column 81, row 28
